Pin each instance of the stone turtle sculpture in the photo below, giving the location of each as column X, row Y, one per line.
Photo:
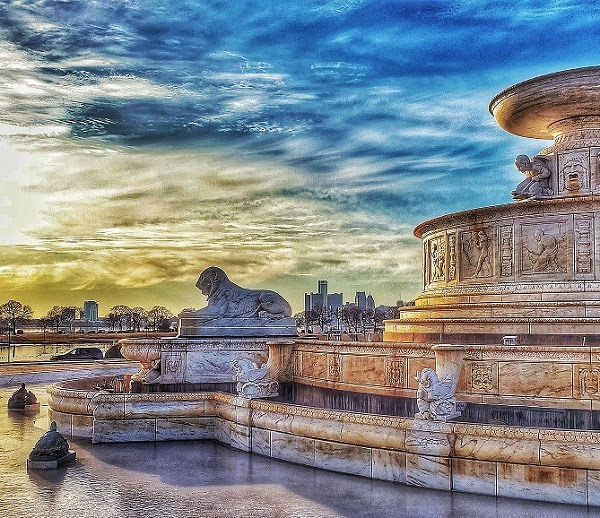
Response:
column 50, row 446
column 21, row 399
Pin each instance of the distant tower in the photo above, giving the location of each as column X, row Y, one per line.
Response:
column 322, row 290
column 370, row 304
column 360, row 299
column 90, row 311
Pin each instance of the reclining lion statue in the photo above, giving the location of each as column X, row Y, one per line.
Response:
column 228, row 300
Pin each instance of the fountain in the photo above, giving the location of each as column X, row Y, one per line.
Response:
column 489, row 384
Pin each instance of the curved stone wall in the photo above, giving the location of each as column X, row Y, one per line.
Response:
column 532, row 246
column 534, row 463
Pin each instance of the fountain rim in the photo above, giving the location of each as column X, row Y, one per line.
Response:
column 529, row 107
column 519, row 207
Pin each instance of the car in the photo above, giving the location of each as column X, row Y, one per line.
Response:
column 81, row 353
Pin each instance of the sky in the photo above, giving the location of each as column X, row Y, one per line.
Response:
column 142, row 141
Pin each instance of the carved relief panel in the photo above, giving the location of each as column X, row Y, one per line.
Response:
column 482, row 378
column 584, row 245
column 173, row 366
column 587, row 381
column 545, row 249
column 394, row 372
column 506, row 251
column 595, row 170
column 574, row 173
column 477, row 253
column 437, row 259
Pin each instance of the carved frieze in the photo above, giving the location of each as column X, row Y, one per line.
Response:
column 477, row 253
column 506, row 251
column 584, row 244
column 394, row 372
column 574, row 173
column 482, row 377
column 544, row 248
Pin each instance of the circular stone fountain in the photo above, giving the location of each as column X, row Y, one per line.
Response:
column 528, row 268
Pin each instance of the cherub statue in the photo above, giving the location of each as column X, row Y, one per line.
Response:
column 537, row 183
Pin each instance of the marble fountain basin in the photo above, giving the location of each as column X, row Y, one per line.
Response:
column 558, row 465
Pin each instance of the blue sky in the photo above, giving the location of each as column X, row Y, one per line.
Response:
column 142, row 141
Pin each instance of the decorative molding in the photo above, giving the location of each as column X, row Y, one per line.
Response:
column 584, row 241
column 451, row 256
column 334, row 367
column 394, row 372
column 506, row 251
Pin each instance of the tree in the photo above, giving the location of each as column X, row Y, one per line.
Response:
column 54, row 317
column 15, row 313
column 352, row 316
column 68, row 316
column 111, row 320
column 158, row 318
column 139, row 318
column 123, row 316
column 63, row 316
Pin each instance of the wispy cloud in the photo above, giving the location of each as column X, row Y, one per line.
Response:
column 142, row 141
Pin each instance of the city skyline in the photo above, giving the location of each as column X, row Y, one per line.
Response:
column 142, row 143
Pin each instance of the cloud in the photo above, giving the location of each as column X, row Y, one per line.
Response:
column 145, row 140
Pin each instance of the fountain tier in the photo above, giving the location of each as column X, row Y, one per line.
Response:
column 530, row 268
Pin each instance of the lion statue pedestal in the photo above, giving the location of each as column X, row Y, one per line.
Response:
column 237, row 324
column 233, row 311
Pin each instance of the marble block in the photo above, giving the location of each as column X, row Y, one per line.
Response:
column 426, row 471
column 474, row 476
column 293, row 448
column 542, row 483
column 343, row 458
column 388, row 465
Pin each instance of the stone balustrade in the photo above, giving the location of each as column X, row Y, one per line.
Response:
column 529, row 375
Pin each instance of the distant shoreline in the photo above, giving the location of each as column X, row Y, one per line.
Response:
column 76, row 338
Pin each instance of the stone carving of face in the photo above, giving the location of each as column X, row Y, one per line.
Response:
column 205, row 282
column 522, row 162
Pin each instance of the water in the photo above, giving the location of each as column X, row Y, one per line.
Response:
column 206, row 479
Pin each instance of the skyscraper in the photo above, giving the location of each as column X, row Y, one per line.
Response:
column 90, row 310
column 360, row 299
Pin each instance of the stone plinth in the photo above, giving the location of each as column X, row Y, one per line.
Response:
column 196, row 360
column 51, row 464
column 195, row 326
